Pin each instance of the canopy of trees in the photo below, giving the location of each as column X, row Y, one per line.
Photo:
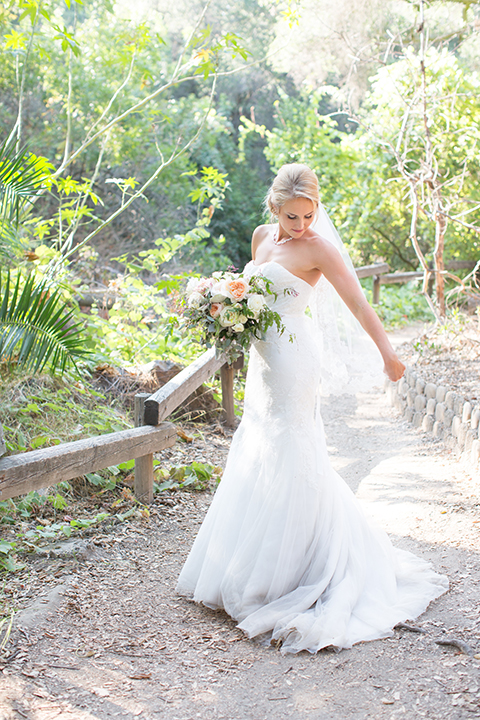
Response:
column 143, row 136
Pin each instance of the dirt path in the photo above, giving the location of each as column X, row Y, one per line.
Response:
column 113, row 640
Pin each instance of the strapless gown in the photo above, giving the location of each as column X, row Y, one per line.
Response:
column 285, row 548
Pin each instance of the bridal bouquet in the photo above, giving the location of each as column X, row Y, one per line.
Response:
column 231, row 311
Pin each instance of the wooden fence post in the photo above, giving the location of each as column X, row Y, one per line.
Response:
column 227, row 374
column 143, row 486
column 3, row 448
column 376, row 290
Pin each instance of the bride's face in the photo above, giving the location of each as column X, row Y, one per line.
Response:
column 295, row 217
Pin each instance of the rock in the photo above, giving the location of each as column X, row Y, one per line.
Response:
column 458, row 406
column 439, row 430
column 408, row 413
column 475, row 452
column 461, row 434
column 450, row 398
column 78, row 549
column 430, row 391
column 418, row 419
column 402, row 387
column 161, row 370
column 427, row 423
column 441, row 392
column 399, row 403
column 36, row 613
column 440, row 411
column 469, row 437
column 466, row 412
column 475, row 419
column 431, row 405
column 449, row 441
column 420, row 386
column 420, row 403
column 448, row 417
column 456, row 422
column 411, row 395
column 411, row 378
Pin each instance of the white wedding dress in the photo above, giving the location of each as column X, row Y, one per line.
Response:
column 285, row 548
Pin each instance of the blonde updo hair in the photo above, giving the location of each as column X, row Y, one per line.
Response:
column 293, row 181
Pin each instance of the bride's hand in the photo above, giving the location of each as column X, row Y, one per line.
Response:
column 394, row 368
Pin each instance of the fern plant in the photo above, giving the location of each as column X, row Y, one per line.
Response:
column 36, row 327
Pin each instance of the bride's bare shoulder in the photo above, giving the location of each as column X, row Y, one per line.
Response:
column 318, row 243
column 262, row 231
column 321, row 250
column 259, row 235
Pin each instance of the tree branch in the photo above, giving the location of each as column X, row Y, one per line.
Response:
column 147, row 183
column 395, row 246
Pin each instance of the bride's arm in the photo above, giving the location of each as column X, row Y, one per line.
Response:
column 336, row 272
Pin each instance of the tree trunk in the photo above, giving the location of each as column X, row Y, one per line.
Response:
column 440, row 228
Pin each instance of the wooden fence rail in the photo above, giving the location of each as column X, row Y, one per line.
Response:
column 383, row 277
column 47, row 466
column 41, row 468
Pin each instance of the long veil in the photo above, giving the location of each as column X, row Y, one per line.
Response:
column 350, row 360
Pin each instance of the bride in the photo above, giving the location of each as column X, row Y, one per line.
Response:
column 284, row 547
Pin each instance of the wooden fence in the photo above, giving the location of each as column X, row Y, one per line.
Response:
column 383, row 277
column 44, row 467
column 19, row 474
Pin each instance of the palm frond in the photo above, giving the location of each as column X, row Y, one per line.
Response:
column 20, row 177
column 11, row 242
column 36, row 326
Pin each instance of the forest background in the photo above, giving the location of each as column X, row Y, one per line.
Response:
column 139, row 140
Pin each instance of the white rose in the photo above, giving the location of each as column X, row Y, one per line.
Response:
column 238, row 327
column 218, row 292
column 227, row 317
column 242, row 318
column 256, row 303
column 192, row 285
column 195, row 300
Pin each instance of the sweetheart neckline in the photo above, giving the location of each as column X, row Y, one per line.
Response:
column 269, row 262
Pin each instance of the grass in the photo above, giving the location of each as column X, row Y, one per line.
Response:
column 40, row 411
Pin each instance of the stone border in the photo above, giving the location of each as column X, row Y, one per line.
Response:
column 440, row 411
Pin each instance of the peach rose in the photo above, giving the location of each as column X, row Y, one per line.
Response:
column 203, row 285
column 216, row 309
column 237, row 288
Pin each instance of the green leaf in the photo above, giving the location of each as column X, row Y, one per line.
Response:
column 58, row 501
column 15, row 41
column 33, row 407
column 126, row 465
column 38, row 441
column 95, row 479
column 6, row 547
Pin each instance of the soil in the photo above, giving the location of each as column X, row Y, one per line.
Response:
column 447, row 355
column 101, row 633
